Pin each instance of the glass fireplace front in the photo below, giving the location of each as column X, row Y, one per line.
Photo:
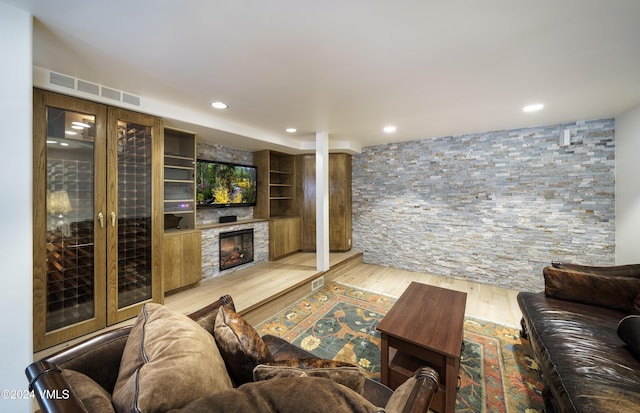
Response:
column 236, row 248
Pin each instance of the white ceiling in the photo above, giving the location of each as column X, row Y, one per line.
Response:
column 350, row 67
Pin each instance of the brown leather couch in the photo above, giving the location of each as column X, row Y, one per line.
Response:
column 99, row 358
column 573, row 329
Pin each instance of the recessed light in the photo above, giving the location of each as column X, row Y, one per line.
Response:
column 291, row 130
column 219, row 105
column 50, row 141
column 64, row 144
column 533, row 108
column 389, row 129
column 80, row 125
column 70, row 132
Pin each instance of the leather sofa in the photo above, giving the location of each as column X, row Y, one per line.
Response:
column 589, row 362
column 102, row 358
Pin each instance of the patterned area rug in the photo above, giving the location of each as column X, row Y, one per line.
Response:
column 497, row 373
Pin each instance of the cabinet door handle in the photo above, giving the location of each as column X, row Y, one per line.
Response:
column 101, row 219
column 113, row 219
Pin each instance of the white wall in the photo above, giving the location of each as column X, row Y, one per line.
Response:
column 15, row 207
column 628, row 187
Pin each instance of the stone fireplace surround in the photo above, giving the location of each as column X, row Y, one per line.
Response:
column 211, row 245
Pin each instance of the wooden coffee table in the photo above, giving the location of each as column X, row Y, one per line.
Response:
column 424, row 327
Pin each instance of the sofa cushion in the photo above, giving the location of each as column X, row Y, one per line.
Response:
column 616, row 292
column 629, row 332
column 285, row 395
column 636, row 305
column 240, row 345
column 93, row 396
column 343, row 373
column 168, row 361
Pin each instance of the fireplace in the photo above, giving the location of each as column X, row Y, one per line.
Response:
column 236, row 248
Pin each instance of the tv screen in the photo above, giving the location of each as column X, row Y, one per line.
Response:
column 220, row 184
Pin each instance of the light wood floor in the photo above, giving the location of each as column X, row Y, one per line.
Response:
column 484, row 301
column 251, row 287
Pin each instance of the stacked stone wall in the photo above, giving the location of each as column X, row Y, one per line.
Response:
column 489, row 207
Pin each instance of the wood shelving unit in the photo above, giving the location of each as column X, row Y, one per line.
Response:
column 182, row 257
column 179, row 180
column 278, row 201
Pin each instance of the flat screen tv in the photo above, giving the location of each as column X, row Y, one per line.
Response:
column 221, row 184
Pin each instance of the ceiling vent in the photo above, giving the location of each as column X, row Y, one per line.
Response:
column 87, row 87
column 93, row 89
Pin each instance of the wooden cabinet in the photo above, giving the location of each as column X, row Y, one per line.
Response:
column 279, row 200
column 339, row 202
column 182, row 258
column 277, row 192
column 97, row 224
column 284, row 237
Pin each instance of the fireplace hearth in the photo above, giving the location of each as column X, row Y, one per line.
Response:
column 236, row 248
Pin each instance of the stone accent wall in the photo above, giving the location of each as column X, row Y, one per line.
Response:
column 211, row 247
column 489, row 207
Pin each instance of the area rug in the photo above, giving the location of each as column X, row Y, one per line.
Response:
column 497, row 372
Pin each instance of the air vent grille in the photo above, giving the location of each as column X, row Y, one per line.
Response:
column 317, row 283
column 88, row 87
column 110, row 93
column 93, row 89
column 62, row 80
column 130, row 99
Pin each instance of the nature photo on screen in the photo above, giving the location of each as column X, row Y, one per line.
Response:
column 223, row 185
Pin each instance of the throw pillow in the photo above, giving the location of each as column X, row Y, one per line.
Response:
column 343, row 373
column 616, row 292
column 629, row 332
column 241, row 346
column 91, row 394
column 168, row 361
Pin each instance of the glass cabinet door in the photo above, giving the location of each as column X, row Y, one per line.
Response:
column 69, row 247
column 97, row 216
column 135, row 143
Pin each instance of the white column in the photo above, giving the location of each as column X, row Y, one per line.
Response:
column 627, row 190
column 16, row 297
column 322, row 201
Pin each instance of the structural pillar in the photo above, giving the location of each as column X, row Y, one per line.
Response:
column 322, row 201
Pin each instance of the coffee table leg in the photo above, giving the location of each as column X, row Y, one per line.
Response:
column 384, row 359
column 451, row 385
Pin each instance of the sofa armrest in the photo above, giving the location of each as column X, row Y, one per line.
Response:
column 426, row 386
column 415, row 394
column 281, row 349
column 51, row 389
column 97, row 357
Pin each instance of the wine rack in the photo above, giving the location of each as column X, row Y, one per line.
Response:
column 134, row 224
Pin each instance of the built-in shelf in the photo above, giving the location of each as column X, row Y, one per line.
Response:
column 179, row 180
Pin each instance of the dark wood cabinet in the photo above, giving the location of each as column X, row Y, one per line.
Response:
column 339, row 202
column 279, row 200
